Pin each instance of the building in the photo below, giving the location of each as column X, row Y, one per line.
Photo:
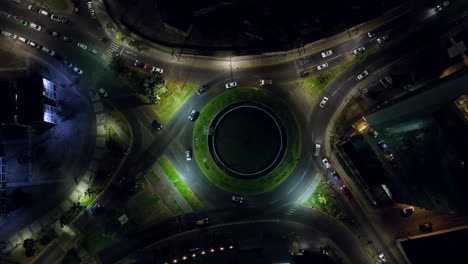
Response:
column 419, row 152
column 30, row 100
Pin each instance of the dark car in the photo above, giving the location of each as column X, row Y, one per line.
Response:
column 94, row 209
column 346, row 191
column 335, row 176
column 426, row 227
column 303, row 74
column 156, row 125
column 193, row 115
column 202, row 89
column 139, row 64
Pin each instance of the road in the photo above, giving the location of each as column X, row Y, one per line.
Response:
column 177, row 134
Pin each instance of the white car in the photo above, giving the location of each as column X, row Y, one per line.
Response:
column 317, row 149
column 158, row 70
column 363, row 75
column 382, row 258
column 188, row 154
column 358, row 50
column 327, row 53
column 48, row 51
column 24, row 40
column 266, row 82
column 42, row 11
column 237, row 199
column 323, row 102
column 55, row 18
column 78, row 70
column 35, row 26
column 193, row 115
column 83, row 46
column 102, row 92
column 322, row 66
column 231, row 85
column 326, row 163
column 10, row 35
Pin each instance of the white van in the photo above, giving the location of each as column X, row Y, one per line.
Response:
column 24, row 40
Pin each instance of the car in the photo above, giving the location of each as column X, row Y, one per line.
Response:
column 44, row 30
column 156, row 69
column 371, row 34
column 303, row 74
column 202, row 89
column 384, row 83
column 35, row 45
column 43, row 12
column 55, row 34
column 322, row 66
column 383, row 39
column 81, row 45
column 93, row 51
column 407, row 211
column 156, row 125
column 68, row 64
column 23, row 22
column 230, row 85
column 188, row 154
column 266, row 82
column 363, row 75
column 382, row 258
column 193, row 115
column 8, row 34
column 102, row 92
column 94, row 208
column 202, row 221
column 382, row 145
column 76, row 10
column 65, row 20
column 323, row 102
column 78, row 70
column 317, row 149
column 335, row 176
column 426, row 227
column 346, row 191
column 55, row 18
column 326, row 163
column 359, row 50
column 237, row 199
column 139, row 64
column 48, row 51
column 442, row 6
column 65, row 38
column 35, row 26
column 33, row 8
column 327, row 53
column 389, row 79
column 24, row 40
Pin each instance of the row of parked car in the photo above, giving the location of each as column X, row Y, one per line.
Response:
column 52, row 16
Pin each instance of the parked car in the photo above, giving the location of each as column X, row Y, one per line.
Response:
column 266, row 82
column 23, row 22
column 65, row 20
column 8, row 34
column 43, row 12
column 94, row 208
column 156, row 125
column 81, row 45
column 382, row 258
column 157, row 70
column 231, row 85
column 335, row 176
column 327, row 53
column 237, row 199
column 202, row 89
column 55, row 18
column 303, row 74
column 55, row 34
column 35, row 45
column 33, row 8
column 322, row 66
column 382, row 145
column 323, row 102
column 65, row 38
column 35, row 26
column 188, row 154
column 68, row 64
column 363, row 75
column 193, row 115
column 346, row 191
column 358, row 50
column 77, row 70
column 102, row 92
column 93, row 51
column 139, row 64
column 317, row 149
column 48, row 51
column 24, row 40
column 407, row 211
column 326, row 163
column 426, row 227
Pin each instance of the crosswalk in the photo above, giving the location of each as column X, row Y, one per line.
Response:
column 112, row 47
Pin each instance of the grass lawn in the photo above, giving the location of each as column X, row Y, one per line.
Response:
column 55, row 4
column 98, row 239
column 179, row 183
column 171, row 101
column 219, row 177
column 317, row 83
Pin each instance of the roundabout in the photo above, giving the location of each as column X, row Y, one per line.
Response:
column 246, row 141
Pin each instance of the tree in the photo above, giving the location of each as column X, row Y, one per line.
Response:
column 119, row 36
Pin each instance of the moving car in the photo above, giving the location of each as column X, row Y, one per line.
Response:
column 266, row 82
column 442, row 6
column 55, row 34
column 77, row 70
column 81, row 45
column 407, row 211
column 48, row 51
column 65, row 38
column 231, row 85
column 193, row 115
column 202, row 222
column 322, row 66
column 55, row 18
column 102, row 92
column 156, row 125
column 327, row 53
column 158, row 70
column 317, row 149
column 139, row 64
column 35, row 26
column 323, row 102
column 237, row 199
column 69, row 65
column 382, row 39
column 363, row 75
column 202, row 89
column 346, row 191
column 188, row 154
column 94, row 208
column 326, row 163
column 371, row 34
column 358, row 50
column 335, row 176
column 93, row 51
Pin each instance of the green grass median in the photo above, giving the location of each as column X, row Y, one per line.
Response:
column 218, row 176
column 179, row 183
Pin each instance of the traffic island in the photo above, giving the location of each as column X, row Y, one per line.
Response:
column 246, row 141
